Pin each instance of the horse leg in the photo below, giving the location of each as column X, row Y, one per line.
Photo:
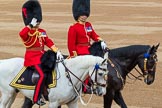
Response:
column 27, row 103
column 118, row 98
column 11, row 100
column 5, row 99
column 108, row 98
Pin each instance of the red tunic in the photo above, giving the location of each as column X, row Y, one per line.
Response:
column 79, row 37
column 34, row 41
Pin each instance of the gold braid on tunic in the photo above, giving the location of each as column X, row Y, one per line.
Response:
column 36, row 34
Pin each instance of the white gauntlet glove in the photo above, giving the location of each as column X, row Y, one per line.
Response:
column 33, row 23
column 103, row 45
column 59, row 56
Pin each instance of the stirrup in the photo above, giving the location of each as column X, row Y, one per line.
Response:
column 40, row 102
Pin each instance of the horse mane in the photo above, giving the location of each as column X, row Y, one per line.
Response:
column 129, row 51
column 48, row 61
column 82, row 60
column 96, row 49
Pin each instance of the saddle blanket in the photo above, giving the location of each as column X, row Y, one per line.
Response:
column 23, row 79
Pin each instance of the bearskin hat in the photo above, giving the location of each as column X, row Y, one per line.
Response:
column 31, row 9
column 80, row 7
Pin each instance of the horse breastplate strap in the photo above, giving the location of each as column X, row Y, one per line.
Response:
column 118, row 74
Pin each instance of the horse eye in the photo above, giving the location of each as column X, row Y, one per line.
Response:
column 156, row 60
column 100, row 74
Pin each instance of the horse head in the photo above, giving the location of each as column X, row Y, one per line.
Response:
column 99, row 77
column 147, row 63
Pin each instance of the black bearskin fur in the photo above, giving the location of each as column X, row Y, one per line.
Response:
column 48, row 61
column 96, row 49
column 80, row 7
column 33, row 10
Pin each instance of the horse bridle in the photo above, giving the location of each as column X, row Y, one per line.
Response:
column 95, row 70
column 146, row 70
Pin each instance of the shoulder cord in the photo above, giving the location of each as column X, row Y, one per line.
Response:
column 36, row 34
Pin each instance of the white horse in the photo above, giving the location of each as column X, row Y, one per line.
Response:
column 64, row 92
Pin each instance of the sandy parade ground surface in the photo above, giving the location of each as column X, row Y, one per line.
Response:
column 118, row 22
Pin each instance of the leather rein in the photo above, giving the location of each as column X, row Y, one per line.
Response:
column 95, row 70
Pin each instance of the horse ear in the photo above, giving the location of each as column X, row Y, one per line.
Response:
column 105, row 57
column 154, row 48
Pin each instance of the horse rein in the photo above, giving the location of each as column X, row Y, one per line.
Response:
column 74, row 87
column 115, row 68
column 146, row 70
column 96, row 83
column 68, row 75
